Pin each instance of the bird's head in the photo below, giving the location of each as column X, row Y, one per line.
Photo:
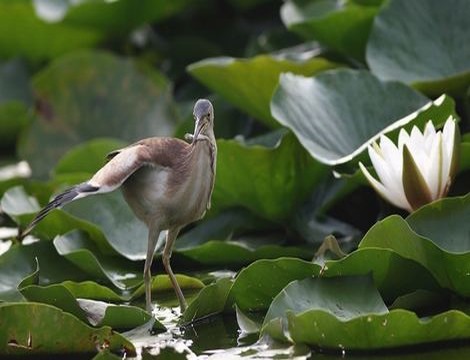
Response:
column 204, row 117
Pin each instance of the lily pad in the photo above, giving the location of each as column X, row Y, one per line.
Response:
column 211, row 300
column 427, row 37
column 435, row 219
column 341, row 26
column 31, row 329
column 74, row 106
column 393, row 274
column 223, row 225
column 20, row 261
column 233, row 79
column 23, row 33
column 271, row 182
column 345, row 298
column 236, row 253
column 88, row 157
column 399, row 328
column 330, row 313
column 451, row 270
column 162, row 283
column 336, row 114
column 79, row 249
column 112, row 18
column 110, row 213
column 15, row 99
column 42, row 30
column 256, row 286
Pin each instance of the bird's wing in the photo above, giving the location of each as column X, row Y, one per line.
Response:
column 121, row 164
column 124, row 162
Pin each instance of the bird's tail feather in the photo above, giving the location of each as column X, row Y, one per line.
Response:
column 60, row 200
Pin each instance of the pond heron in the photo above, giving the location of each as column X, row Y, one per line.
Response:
column 167, row 183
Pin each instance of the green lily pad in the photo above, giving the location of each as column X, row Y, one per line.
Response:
column 23, row 33
column 88, row 157
column 420, row 35
column 79, row 249
column 20, row 261
column 330, row 313
column 230, row 77
column 451, row 270
column 112, row 18
column 31, row 329
column 235, row 253
column 256, row 286
column 74, row 106
column 393, row 274
column 16, row 203
column 110, row 213
column 345, row 298
column 399, row 328
column 335, row 115
column 271, row 182
column 223, row 225
column 15, row 99
column 21, row 207
column 211, row 300
column 41, row 30
column 97, row 313
column 162, row 283
column 122, row 317
column 434, row 220
column 341, row 26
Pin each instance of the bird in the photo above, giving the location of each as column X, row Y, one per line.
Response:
column 167, row 182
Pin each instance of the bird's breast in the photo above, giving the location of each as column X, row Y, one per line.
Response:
column 176, row 195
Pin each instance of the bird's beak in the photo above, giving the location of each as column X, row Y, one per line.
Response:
column 199, row 126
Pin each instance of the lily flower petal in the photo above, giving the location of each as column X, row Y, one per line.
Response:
column 419, row 169
column 398, row 201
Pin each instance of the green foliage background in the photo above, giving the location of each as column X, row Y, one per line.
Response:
column 300, row 88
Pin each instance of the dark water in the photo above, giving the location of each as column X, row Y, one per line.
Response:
column 218, row 337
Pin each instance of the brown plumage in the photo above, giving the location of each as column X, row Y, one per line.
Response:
column 167, row 183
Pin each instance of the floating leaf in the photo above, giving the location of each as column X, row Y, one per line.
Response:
column 211, row 300
column 393, row 274
column 399, row 328
column 87, row 157
column 41, row 30
column 120, row 317
column 112, row 18
column 79, row 249
column 269, row 181
column 256, row 286
column 22, row 33
column 335, row 115
column 427, row 37
column 451, row 270
column 20, row 261
column 345, row 298
column 31, row 329
column 235, row 253
column 341, row 26
column 224, row 225
column 436, row 219
column 97, row 313
column 230, row 77
column 110, row 213
column 74, row 106
column 15, row 98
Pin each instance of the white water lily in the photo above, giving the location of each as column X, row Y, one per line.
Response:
column 417, row 171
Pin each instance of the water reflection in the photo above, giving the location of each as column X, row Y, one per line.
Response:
column 219, row 337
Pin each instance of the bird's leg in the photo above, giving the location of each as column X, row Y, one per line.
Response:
column 170, row 240
column 152, row 243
